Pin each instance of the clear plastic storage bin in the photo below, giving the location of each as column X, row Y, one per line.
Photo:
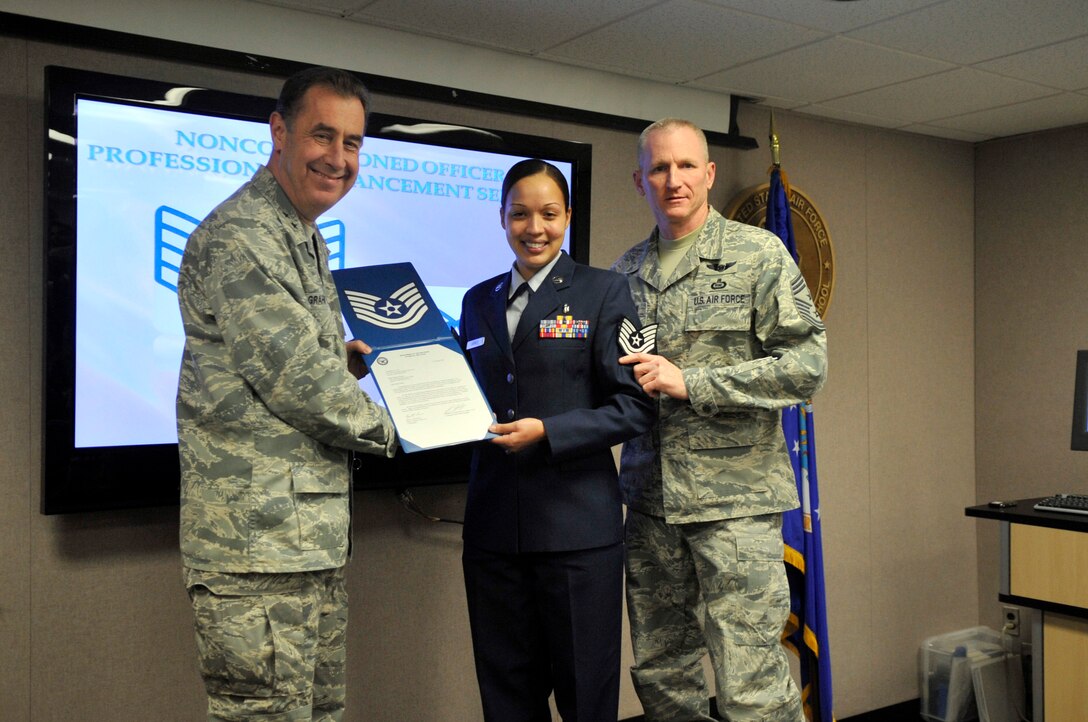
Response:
column 948, row 694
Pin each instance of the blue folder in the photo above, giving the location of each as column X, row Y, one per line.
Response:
column 389, row 308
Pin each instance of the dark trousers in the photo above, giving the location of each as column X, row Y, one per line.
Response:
column 542, row 622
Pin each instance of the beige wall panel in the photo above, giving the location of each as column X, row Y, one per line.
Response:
column 920, row 390
column 830, row 167
column 15, row 400
column 111, row 626
column 1031, row 274
column 827, row 161
column 409, row 651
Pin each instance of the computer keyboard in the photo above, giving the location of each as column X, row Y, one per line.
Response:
column 1068, row 503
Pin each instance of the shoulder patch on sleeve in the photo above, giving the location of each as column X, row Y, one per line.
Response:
column 805, row 308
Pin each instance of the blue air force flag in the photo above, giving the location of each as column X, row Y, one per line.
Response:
column 806, row 630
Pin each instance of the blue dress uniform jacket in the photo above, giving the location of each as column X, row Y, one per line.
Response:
column 561, row 494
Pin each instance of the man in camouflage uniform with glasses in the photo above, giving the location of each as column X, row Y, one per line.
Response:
column 268, row 410
column 737, row 339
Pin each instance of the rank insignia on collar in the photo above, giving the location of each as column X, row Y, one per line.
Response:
column 563, row 327
column 636, row 340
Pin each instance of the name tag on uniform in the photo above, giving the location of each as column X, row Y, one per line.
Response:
column 474, row 343
column 563, row 327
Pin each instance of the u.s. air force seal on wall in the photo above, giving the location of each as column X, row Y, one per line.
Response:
column 815, row 255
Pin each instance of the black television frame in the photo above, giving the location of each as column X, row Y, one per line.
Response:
column 1079, row 440
column 101, row 478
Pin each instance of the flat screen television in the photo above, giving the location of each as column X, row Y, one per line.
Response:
column 1080, row 404
column 133, row 165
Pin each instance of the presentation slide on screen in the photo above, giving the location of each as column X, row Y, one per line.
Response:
column 147, row 176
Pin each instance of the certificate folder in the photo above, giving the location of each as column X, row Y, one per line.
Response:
column 418, row 366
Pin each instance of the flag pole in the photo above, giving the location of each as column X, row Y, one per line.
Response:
column 806, row 630
column 775, row 148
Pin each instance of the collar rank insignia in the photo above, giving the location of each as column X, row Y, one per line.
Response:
column 636, row 340
column 563, row 327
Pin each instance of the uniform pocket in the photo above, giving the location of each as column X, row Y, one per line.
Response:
column 256, row 645
column 723, row 431
column 762, row 609
column 718, row 331
column 322, row 512
column 718, row 318
column 215, row 531
column 718, row 304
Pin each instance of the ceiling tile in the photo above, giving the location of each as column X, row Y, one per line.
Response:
column 887, row 63
column 939, row 96
column 523, row 26
column 654, row 44
column 835, row 17
column 970, row 31
column 824, row 111
column 1060, row 66
column 826, row 69
column 1056, row 111
column 772, row 101
column 949, row 133
column 322, row 7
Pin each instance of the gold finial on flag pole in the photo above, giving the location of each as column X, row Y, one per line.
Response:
column 775, row 148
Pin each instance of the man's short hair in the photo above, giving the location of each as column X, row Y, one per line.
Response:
column 339, row 81
column 669, row 124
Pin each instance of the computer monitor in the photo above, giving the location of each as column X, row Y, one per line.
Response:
column 1080, row 404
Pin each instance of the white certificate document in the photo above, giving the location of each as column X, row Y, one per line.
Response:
column 432, row 396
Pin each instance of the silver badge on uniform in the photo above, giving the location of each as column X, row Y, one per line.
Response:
column 637, row 340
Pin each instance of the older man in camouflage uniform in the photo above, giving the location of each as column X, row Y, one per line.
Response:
column 737, row 340
column 268, row 410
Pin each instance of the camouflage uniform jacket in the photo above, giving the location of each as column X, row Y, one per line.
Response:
column 266, row 407
column 738, row 320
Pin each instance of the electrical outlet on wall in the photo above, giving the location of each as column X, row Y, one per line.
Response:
column 1012, row 620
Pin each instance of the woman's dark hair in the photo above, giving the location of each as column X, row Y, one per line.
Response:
column 339, row 81
column 532, row 166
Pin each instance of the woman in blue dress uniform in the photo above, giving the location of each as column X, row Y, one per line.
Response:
column 543, row 554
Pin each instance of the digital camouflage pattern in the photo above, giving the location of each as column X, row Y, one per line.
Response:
column 706, row 487
column 742, row 603
column 271, row 645
column 737, row 318
column 266, row 407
